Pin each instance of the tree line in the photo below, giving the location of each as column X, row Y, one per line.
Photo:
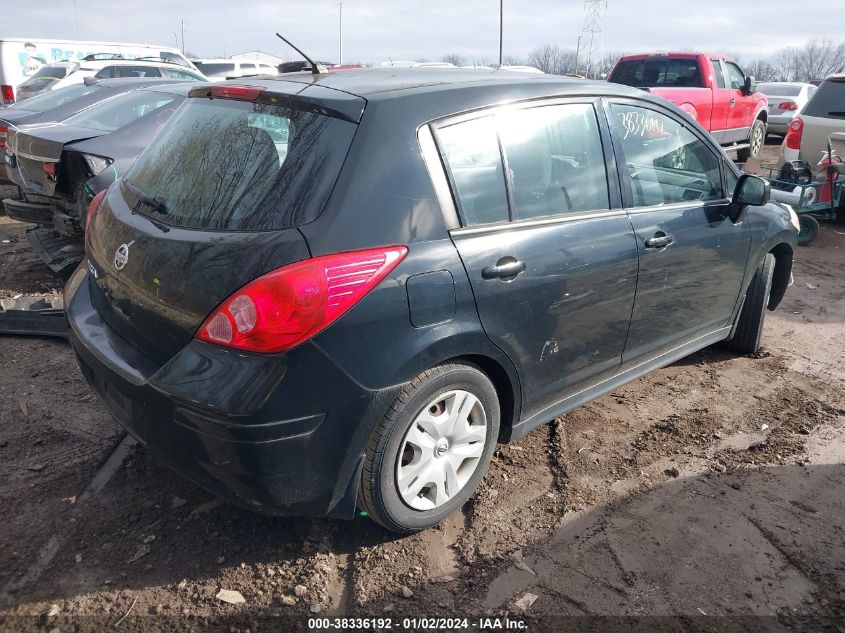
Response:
column 814, row 60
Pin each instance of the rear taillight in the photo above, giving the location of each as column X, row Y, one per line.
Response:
column 4, row 131
column 224, row 91
column 94, row 207
column 794, row 133
column 787, row 105
column 50, row 170
column 8, row 94
column 289, row 305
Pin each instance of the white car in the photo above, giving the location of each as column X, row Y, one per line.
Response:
column 61, row 74
column 786, row 99
column 222, row 69
column 821, row 119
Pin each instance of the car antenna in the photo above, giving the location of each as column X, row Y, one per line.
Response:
column 316, row 68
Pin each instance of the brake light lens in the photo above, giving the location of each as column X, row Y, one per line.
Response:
column 290, row 305
column 794, row 134
column 94, row 207
column 787, row 105
column 4, row 131
column 8, row 94
column 50, row 170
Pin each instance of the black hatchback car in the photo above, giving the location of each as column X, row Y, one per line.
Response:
column 316, row 293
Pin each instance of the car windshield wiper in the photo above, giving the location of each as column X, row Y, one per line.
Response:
column 153, row 203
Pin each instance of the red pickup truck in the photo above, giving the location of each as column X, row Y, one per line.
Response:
column 711, row 89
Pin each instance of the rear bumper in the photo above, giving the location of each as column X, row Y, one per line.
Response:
column 282, row 434
column 41, row 214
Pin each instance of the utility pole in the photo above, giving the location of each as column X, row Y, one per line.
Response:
column 577, row 54
column 183, row 37
column 501, row 29
column 340, row 44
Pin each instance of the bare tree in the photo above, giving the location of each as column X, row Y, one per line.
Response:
column 454, row 59
column 762, row 70
column 815, row 60
column 553, row 59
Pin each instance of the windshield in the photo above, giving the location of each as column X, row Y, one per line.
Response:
column 44, row 77
column 53, row 99
column 669, row 72
column 829, row 100
column 119, row 111
column 215, row 70
column 239, row 166
column 780, row 90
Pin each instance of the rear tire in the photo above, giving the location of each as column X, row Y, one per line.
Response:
column 409, row 437
column 809, row 229
column 756, row 140
column 749, row 327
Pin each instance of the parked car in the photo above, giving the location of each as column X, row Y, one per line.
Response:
column 59, row 167
column 823, row 115
column 221, row 69
column 58, row 105
column 315, row 293
column 22, row 58
column 63, row 74
column 785, row 102
column 714, row 91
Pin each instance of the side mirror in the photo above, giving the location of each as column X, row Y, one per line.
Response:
column 750, row 191
column 750, row 86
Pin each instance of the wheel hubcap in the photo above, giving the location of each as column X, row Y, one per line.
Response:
column 441, row 450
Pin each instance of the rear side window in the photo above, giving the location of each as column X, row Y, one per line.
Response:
column 55, row 98
column 828, row 102
column 240, row 166
column 656, row 72
column 666, row 162
column 718, row 70
column 555, row 160
column 120, row 111
column 474, row 161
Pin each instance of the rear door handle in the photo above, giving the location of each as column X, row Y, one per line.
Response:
column 660, row 240
column 506, row 268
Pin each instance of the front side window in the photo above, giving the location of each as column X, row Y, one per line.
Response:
column 555, row 160
column 719, row 72
column 183, row 74
column 471, row 150
column 735, row 76
column 666, row 162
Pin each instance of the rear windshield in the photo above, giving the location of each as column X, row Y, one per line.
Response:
column 215, row 70
column 45, row 76
column 656, row 72
column 239, row 166
column 828, row 102
column 55, row 98
column 120, row 111
column 780, row 90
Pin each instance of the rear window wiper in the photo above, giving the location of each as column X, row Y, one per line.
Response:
column 153, row 203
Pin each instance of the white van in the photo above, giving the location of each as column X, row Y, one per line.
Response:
column 20, row 58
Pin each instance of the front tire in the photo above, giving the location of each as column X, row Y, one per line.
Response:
column 431, row 449
column 756, row 140
column 749, row 327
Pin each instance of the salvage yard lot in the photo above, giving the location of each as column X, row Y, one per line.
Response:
column 713, row 486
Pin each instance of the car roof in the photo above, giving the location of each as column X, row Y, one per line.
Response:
column 382, row 82
column 835, row 77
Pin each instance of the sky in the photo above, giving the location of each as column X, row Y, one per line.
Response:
column 375, row 31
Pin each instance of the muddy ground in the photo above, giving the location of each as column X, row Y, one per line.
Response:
column 707, row 496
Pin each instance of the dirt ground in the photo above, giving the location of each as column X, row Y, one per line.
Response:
column 706, row 496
